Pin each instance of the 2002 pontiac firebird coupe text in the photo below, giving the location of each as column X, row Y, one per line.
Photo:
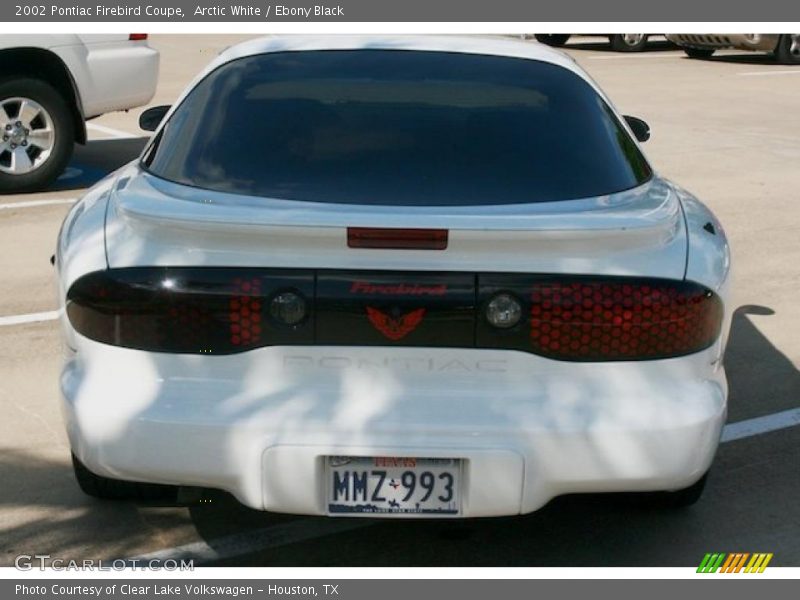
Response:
column 397, row 276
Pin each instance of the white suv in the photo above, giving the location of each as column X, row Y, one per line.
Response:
column 51, row 84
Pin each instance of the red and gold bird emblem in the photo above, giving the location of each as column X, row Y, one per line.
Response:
column 395, row 328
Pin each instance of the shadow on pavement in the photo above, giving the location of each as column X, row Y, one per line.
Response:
column 762, row 379
column 95, row 160
column 42, row 511
column 746, row 58
column 654, row 46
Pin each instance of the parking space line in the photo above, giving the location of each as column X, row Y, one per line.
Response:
column 759, row 425
column 116, row 133
column 767, row 73
column 34, row 203
column 50, row 315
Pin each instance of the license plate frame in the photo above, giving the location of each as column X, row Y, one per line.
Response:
column 358, row 490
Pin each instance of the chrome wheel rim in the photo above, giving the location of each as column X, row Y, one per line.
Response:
column 632, row 39
column 28, row 136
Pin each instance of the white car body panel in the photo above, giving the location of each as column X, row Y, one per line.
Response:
column 259, row 423
column 81, row 247
column 636, row 232
column 110, row 72
column 709, row 257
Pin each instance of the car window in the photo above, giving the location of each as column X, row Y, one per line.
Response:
column 397, row 127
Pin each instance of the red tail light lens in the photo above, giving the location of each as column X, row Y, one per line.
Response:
column 137, row 37
column 617, row 318
column 622, row 321
column 202, row 311
column 397, row 239
column 228, row 310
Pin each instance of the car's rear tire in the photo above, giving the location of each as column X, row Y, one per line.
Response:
column 699, row 52
column 628, row 42
column 678, row 498
column 788, row 49
column 552, row 39
column 116, row 489
column 37, row 134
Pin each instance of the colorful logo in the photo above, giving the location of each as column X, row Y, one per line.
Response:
column 734, row 562
column 395, row 328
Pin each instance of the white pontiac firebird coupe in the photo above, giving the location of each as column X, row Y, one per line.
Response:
column 393, row 276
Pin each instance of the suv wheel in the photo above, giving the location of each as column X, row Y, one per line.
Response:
column 628, row 42
column 699, row 52
column 552, row 39
column 37, row 134
column 788, row 50
column 116, row 489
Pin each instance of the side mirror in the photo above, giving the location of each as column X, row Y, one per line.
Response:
column 150, row 119
column 639, row 127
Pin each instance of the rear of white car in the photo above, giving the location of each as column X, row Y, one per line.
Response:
column 400, row 297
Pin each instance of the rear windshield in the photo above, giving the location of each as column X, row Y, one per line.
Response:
column 398, row 128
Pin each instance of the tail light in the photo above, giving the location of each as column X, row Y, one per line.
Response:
column 137, row 37
column 227, row 310
column 397, row 239
column 203, row 311
column 602, row 319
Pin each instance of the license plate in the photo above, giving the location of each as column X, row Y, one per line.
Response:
column 393, row 485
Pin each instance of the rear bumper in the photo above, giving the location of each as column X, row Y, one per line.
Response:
column 259, row 424
column 746, row 41
column 118, row 76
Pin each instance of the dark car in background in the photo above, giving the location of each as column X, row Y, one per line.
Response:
column 620, row 42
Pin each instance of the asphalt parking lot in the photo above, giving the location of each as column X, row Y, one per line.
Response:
column 728, row 129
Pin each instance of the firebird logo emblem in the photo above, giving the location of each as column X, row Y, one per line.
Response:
column 395, row 328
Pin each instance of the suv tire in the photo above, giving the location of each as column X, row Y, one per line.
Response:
column 788, row 50
column 699, row 52
column 552, row 39
column 37, row 134
column 628, row 42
